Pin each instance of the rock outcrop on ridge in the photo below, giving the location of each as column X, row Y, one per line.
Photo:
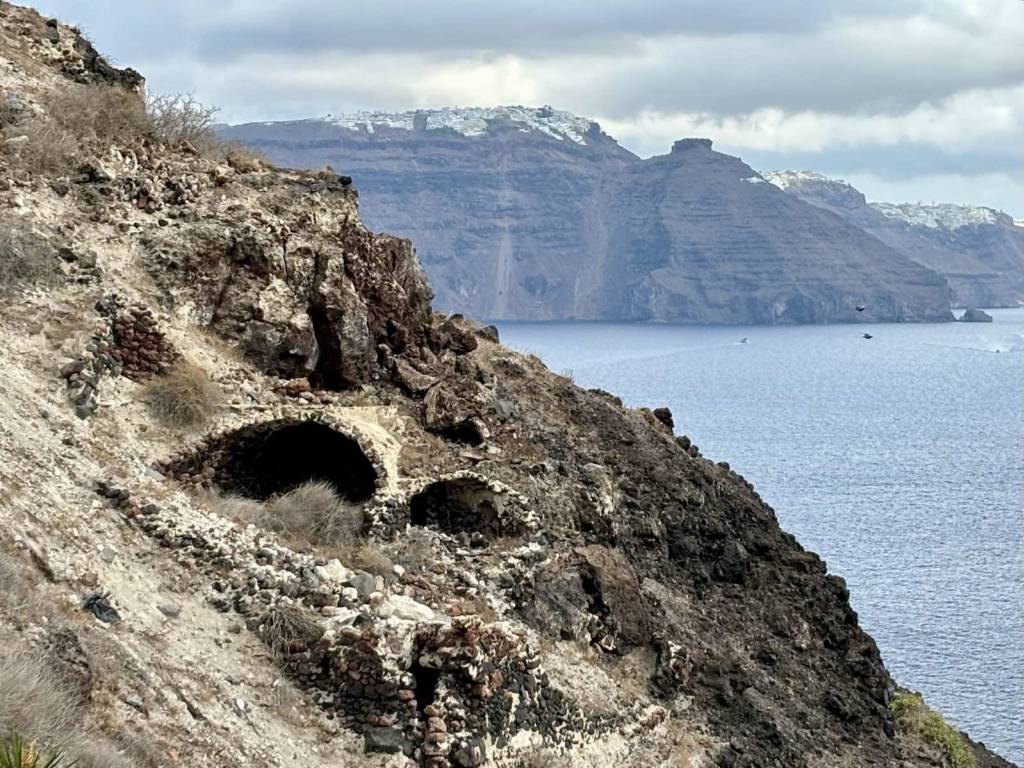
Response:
column 523, row 214
column 386, row 540
column 980, row 251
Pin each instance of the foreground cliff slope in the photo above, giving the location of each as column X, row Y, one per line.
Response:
column 980, row 251
column 535, row 214
column 262, row 507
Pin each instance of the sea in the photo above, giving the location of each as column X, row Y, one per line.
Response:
column 899, row 459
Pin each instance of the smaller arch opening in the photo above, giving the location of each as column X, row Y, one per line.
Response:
column 270, row 459
column 426, row 680
column 458, row 505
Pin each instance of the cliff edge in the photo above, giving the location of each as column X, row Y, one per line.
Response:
column 262, row 507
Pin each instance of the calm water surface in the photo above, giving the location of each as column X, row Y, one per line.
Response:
column 898, row 459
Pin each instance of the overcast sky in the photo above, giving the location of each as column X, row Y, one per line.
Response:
column 907, row 99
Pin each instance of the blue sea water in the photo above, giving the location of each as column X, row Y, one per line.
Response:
column 899, row 459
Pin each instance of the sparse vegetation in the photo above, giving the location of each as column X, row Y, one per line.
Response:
column 311, row 513
column 541, row 757
column 184, row 398
column 286, row 628
column 78, row 122
column 25, row 257
column 34, row 703
column 915, row 717
column 179, row 117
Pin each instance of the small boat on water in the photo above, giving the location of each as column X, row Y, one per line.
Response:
column 744, row 340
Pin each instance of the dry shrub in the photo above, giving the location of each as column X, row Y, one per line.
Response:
column 77, row 122
column 242, row 157
column 177, row 118
column 25, row 257
column 183, row 398
column 286, row 629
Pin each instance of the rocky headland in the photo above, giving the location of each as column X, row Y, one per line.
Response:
column 262, row 506
column 980, row 251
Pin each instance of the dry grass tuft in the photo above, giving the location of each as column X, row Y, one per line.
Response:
column 184, row 398
column 287, row 629
column 77, row 122
column 25, row 257
column 311, row 513
column 34, row 702
column 240, row 509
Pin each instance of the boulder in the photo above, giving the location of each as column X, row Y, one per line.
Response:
column 405, row 609
column 411, row 380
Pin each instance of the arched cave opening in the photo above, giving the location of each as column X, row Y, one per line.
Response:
column 272, row 458
column 458, row 505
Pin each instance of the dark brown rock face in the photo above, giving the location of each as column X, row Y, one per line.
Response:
column 514, row 223
column 294, row 277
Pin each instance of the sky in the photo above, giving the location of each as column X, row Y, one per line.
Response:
column 909, row 100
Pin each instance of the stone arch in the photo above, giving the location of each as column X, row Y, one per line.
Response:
column 468, row 503
column 262, row 459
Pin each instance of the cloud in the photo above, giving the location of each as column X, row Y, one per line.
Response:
column 923, row 88
column 965, row 121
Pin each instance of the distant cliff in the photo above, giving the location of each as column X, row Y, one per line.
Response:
column 980, row 251
column 536, row 214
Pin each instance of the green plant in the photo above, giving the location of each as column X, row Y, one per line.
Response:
column 16, row 753
column 915, row 717
column 183, row 398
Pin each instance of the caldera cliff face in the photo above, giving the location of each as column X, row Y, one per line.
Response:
column 527, row 215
